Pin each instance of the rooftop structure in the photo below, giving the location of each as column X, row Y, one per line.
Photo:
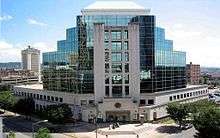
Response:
column 115, row 7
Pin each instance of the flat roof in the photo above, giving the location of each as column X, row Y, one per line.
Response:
column 193, row 86
column 37, row 86
column 115, row 7
column 114, row 4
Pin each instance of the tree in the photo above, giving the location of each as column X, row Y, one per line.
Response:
column 25, row 106
column 57, row 113
column 199, row 106
column 207, row 123
column 178, row 112
column 11, row 135
column 4, row 87
column 7, row 100
column 43, row 133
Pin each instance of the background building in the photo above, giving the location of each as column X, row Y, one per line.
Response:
column 31, row 59
column 17, row 77
column 193, row 73
column 10, row 65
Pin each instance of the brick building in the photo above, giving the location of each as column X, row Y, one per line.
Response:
column 193, row 73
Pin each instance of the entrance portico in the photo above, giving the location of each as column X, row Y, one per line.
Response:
column 118, row 109
column 119, row 116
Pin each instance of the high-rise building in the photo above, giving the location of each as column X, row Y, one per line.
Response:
column 115, row 63
column 31, row 59
column 160, row 69
column 193, row 73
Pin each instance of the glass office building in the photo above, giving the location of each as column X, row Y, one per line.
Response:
column 59, row 67
column 71, row 67
column 169, row 64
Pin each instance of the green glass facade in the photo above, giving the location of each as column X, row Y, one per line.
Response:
column 169, row 64
column 70, row 68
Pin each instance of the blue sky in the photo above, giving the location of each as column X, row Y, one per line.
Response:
column 194, row 25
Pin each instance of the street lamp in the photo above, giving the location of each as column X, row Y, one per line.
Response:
column 33, row 124
column 98, row 117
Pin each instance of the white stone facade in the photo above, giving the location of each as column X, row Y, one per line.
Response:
column 84, row 108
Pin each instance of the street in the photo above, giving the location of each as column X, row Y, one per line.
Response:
column 23, row 129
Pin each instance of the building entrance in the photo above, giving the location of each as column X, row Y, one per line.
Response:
column 117, row 116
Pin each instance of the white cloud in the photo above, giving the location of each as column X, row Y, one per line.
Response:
column 5, row 17
column 8, row 52
column 12, row 52
column 202, row 47
column 35, row 22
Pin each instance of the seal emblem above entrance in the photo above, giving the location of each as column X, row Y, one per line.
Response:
column 117, row 105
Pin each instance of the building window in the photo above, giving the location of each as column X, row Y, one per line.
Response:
column 107, row 91
column 190, row 94
column 125, row 35
column 142, row 102
column 125, row 45
column 178, row 96
column 187, row 94
column 83, row 102
column 106, row 79
column 41, row 97
column 126, row 67
column 171, row 98
column 116, row 79
column 37, row 96
column 126, row 90
column 106, row 56
column 106, row 46
column 45, row 97
column 174, row 97
column 48, row 98
column 126, row 56
column 92, row 102
column 116, row 67
column 184, row 95
column 126, row 79
column 34, row 95
column 106, row 67
column 151, row 101
column 181, row 96
column 61, row 100
column 116, row 46
column 117, row 91
column 116, row 35
column 56, row 99
column 116, row 56
column 41, row 107
column 106, row 35
column 52, row 98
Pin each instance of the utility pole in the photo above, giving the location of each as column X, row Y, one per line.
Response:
column 96, row 129
column 1, row 127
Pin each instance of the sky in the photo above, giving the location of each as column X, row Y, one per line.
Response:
column 193, row 25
